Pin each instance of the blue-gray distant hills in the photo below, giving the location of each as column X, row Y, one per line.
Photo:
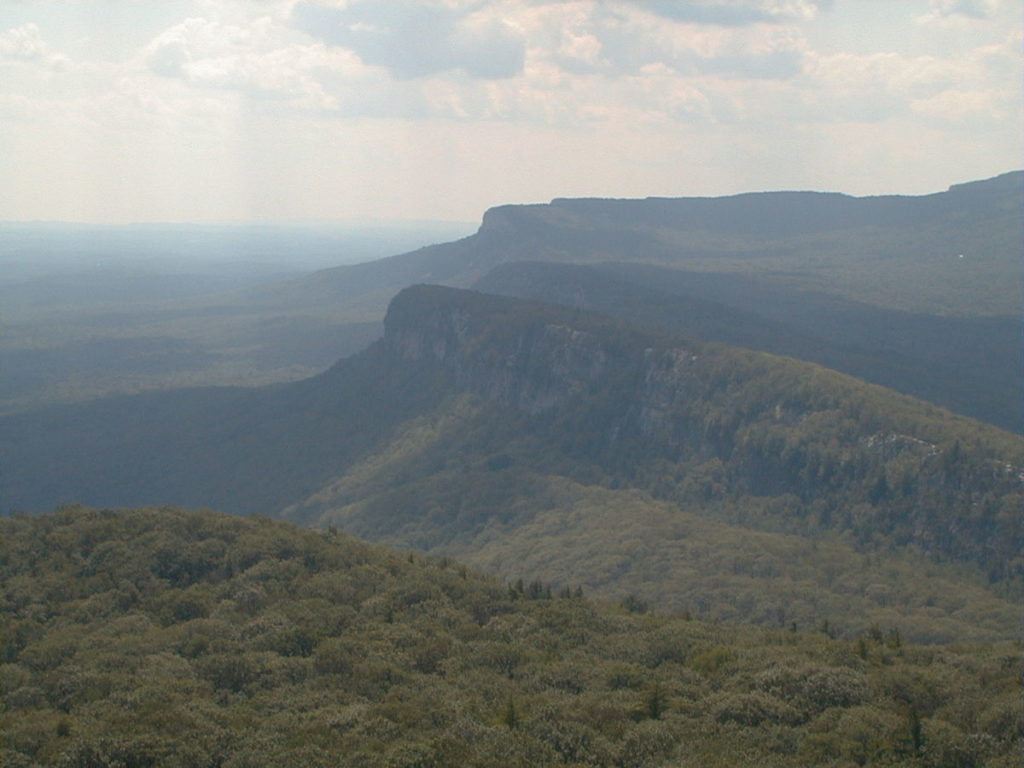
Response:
column 918, row 293
column 897, row 251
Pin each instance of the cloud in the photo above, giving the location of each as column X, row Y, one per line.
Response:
column 24, row 44
column 970, row 86
column 974, row 9
column 957, row 106
column 734, row 13
column 571, row 64
column 945, row 12
column 420, row 39
column 257, row 59
column 627, row 40
column 565, row 63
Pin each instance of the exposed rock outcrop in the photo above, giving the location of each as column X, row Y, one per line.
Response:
column 635, row 403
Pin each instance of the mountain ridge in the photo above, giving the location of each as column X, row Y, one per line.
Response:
column 480, row 421
column 528, row 231
column 961, row 364
column 290, row 330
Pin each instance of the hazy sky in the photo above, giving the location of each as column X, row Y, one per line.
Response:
column 198, row 110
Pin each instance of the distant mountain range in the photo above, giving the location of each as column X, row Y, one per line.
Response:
column 929, row 283
column 921, row 294
column 891, row 251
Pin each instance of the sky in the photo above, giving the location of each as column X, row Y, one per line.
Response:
column 115, row 111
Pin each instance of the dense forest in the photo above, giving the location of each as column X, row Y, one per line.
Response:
column 702, row 478
column 163, row 637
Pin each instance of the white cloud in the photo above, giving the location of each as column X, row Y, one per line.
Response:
column 258, row 60
column 965, row 14
column 24, row 44
column 420, row 39
column 880, row 86
column 958, row 106
column 625, row 38
column 971, row 9
column 581, row 62
column 358, row 105
column 733, row 13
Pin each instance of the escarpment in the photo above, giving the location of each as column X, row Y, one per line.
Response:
column 541, row 359
column 482, row 397
column 656, row 411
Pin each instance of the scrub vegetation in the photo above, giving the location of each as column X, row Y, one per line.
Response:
column 163, row 637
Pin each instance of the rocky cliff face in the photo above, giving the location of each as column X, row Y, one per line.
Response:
column 540, row 361
column 656, row 411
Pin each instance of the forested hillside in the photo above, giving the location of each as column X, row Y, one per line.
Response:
column 969, row 365
column 161, row 637
column 520, row 435
column 655, row 411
